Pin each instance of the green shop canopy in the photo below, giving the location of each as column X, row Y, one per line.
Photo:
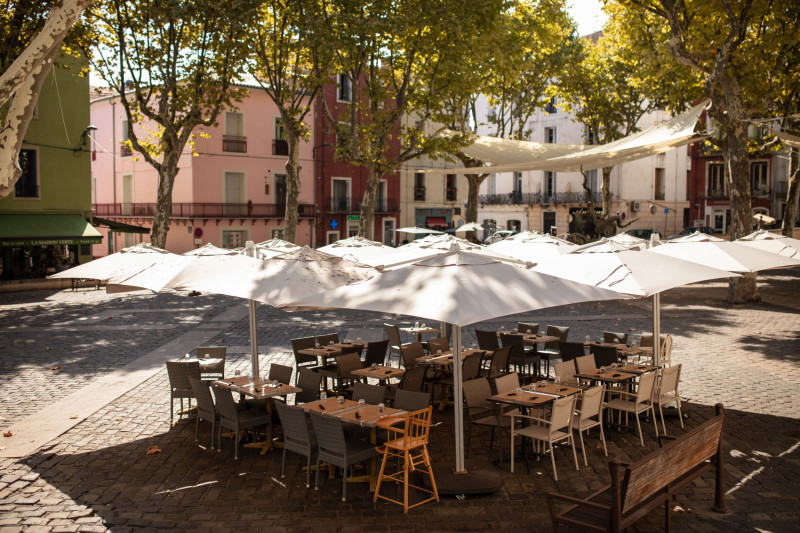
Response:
column 46, row 230
column 119, row 227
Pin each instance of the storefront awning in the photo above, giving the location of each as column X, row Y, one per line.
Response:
column 46, row 230
column 436, row 222
column 119, row 227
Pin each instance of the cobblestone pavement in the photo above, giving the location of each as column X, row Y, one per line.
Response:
column 98, row 476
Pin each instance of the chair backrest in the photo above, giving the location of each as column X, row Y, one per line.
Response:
column 670, row 377
column 592, row 403
column 376, row 352
column 293, row 422
column 556, row 331
column 439, row 343
column 393, row 334
column 330, row 434
column 411, row 352
column 326, row 339
column 527, row 327
column 205, row 402
column 565, row 371
column 211, row 352
column 281, row 373
column 303, row 343
column 604, row 355
column 411, row 400
column 476, row 391
column 561, row 414
column 615, row 337
column 372, row 394
column 570, row 350
column 647, row 383
column 585, row 363
column 500, row 360
column 178, row 373
column 414, row 378
column 346, row 363
column 516, row 343
column 471, row 367
column 417, row 428
column 487, row 340
column 310, row 382
column 666, row 349
column 506, row 383
column 646, row 341
column 225, row 404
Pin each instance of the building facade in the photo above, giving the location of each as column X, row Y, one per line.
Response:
column 231, row 186
column 44, row 222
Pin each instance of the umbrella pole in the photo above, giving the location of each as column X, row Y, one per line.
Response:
column 457, row 401
column 656, row 329
column 250, row 250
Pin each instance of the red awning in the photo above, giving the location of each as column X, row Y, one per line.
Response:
column 436, row 222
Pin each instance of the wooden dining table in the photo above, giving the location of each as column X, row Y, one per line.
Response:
column 325, row 353
column 419, row 331
column 259, row 389
column 531, row 339
column 363, row 415
column 380, row 372
column 444, row 359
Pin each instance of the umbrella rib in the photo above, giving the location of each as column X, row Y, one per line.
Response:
column 611, row 274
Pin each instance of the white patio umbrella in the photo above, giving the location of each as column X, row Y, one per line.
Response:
column 418, row 231
column 532, row 246
column 460, row 288
column 273, row 248
column 469, row 226
column 719, row 253
column 628, row 240
column 771, row 242
column 125, row 262
column 610, row 245
column 363, row 251
column 633, row 272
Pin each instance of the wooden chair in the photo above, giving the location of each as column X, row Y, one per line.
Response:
column 408, row 443
column 557, row 429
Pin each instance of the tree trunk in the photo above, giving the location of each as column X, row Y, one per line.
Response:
column 474, row 181
column 790, row 210
column 292, row 180
column 737, row 168
column 166, row 178
column 366, row 227
column 607, row 190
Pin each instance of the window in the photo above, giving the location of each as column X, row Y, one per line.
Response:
column 550, row 135
column 340, row 199
column 234, row 194
column 549, row 185
column 344, row 94
column 759, row 179
column 589, row 135
column 234, row 139
column 451, row 193
column 518, row 182
column 233, row 239
column 352, row 228
column 27, row 186
column 659, row 186
column 716, row 180
column 125, row 149
column 331, row 237
column 514, row 225
column 592, row 181
column 128, row 240
column 280, row 189
column 550, row 107
column 279, row 144
column 419, row 187
column 382, row 205
column 278, row 233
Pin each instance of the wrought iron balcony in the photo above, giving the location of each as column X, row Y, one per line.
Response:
column 234, row 143
column 203, row 210
column 537, row 198
column 346, row 204
column 280, row 147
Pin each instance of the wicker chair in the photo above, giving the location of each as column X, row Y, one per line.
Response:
column 310, row 382
column 438, row 344
column 411, row 401
column 372, row 394
column 325, row 340
column 550, row 350
column 528, row 328
column 499, row 363
column 232, row 418
column 179, row 386
column 334, row 448
column 212, row 371
column 304, row 361
column 205, row 406
column 297, row 437
column 395, row 343
column 523, row 360
column 410, row 353
column 280, row 373
column 480, row 412
column 487, row 340
column 615, row 337
column 571, row 350
column 376, row 353
column 604, row 355
column 470, row 369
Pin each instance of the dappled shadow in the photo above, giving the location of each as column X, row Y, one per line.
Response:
column 784, row 349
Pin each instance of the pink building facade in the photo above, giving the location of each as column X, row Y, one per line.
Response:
column 230, row 188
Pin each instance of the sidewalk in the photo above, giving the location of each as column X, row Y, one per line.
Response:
column 97, row 475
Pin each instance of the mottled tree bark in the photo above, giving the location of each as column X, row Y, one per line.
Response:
column 607, row 190
column 790, row 210
column 167, row 171
column 292, row 178
column 366, row 226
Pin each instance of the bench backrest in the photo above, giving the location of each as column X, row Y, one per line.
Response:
column 668, row 464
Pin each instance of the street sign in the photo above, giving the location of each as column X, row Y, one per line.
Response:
column 198, row 232
column 353, row 217
column 198, row 241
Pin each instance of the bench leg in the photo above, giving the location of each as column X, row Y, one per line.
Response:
column 666, row 515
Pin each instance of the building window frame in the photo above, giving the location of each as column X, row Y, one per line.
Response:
column 28, row 185
column 233, row 237
column 759, row 179
column 659, row 184
column 344, row 88
column 419, row 187
column 234, row 140
column 715, row 180
column 551, row 135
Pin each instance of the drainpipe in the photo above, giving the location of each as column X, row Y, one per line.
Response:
column 114, row 162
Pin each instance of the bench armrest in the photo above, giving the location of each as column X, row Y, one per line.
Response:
column 662, row 438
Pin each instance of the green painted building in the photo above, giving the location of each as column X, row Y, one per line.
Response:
column 44, row 224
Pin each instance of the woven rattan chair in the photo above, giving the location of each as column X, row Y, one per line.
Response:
column 557, row 429
column 527, row 328
column 376, row 353
column 410, row 353
column 570, row 350
column 604, row 355
column 589, row 416
column 325, row 340
column 280, row 373
column 487, row 340
column 310, row 382
column 438, row 344
column 372, row 394
column 411, row 401
column 408, row 443
column 615, row 337
column 232, row 418
column 345, row 364
column 208, row 370
column 480, row 412
column 304, row 361
column 499, row 363
column 470, row 369
column 297, row 436
column 550, row 350
column 525, row 361
column 179, row 386
column 395, row 343
column 334, row 448
column 205, row 407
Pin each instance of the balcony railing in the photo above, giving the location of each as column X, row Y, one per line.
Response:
column 125, row 151
column 234, row 143
column 280, row 147
column 25, row 190
column 346, row 204
column 203, row 210
column 451, row 195
column 716, row 193
column 537, row 198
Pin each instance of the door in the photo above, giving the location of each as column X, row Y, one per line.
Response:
column 340, row 201
column 388, row 231
column 549, row 221
column 719, row 219
column 127, row 194
column 235, row 201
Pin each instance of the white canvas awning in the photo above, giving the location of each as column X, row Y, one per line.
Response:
column 503, row 155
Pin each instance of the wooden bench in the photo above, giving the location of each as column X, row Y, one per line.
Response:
column 638, row 488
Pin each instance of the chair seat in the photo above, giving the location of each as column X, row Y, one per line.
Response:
column 541, row 433
column 254, row 417
column 586, row 423
column 623, row 405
